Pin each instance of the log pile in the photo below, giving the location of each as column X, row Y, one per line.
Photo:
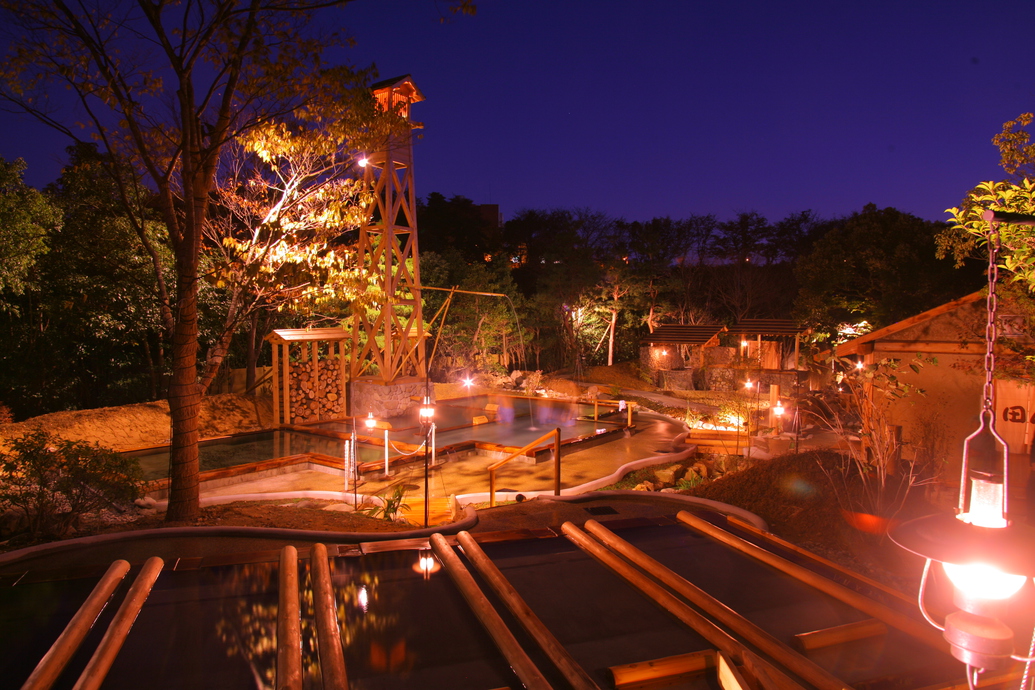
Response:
column 315, row 390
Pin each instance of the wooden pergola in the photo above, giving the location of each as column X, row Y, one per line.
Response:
column 705, row 335
column 327, row 380
column 778, row 328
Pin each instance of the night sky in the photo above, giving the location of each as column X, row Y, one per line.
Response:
column 647, row 108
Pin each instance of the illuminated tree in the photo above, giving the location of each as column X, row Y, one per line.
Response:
column 26, row 217
column 166, row 87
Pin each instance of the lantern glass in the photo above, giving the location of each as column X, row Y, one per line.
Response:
column 370, row 421
column 983, row 581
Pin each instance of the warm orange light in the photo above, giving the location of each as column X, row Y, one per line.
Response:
column 468, row 382
column 778, row 410
column 427, row 410
column 362, row 162
column 859, row 364
column 982, row 581
column 370, row 421
column 749, row 384
column 743, row 343
column 426, row 564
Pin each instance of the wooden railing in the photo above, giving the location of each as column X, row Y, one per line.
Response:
column 556, row 434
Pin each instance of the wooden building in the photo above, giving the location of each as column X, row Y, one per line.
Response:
column 673, row 352
column 940, row 420
column 774, row 343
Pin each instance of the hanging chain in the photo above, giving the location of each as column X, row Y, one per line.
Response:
column 990, row 326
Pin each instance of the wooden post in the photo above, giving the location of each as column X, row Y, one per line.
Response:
column 285, row 364
column 332, row 662
column 108, row 648
column 561, row 658
column 557, row 462
column 892, row 617
column 60, row 653
column 523, row 667
column 276, row 389
column 289, row 624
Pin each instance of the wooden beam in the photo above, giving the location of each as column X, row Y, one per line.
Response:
column 929, row 346
column 839, row 634
column 662, row 672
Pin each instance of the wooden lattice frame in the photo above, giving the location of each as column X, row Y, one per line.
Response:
column 388, row 245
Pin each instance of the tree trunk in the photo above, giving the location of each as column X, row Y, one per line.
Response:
column 253, row 352
column 184, row 403
column 611, row 339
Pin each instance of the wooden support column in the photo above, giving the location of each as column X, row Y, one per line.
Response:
column 276, row 391
column 285, row 362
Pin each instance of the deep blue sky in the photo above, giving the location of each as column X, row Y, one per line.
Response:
column 643, row 108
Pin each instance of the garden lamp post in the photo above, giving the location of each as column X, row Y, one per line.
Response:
column 750, row 385
column 372, row 424
column 778, row 413
column 986, row 555
column 427, row 417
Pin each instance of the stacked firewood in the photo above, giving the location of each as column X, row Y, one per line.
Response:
column 315, row 391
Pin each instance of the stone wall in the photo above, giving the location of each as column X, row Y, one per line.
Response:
column 683, row 380
column 386, row 401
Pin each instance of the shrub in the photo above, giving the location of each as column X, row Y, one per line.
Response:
column 390, row 508
column 55, row 481
column 6, row 416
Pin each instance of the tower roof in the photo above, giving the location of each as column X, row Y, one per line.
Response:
column 404, row 85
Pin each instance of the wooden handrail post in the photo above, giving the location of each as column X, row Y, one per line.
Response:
column 557, row 462
column 629, row 413
column 57, row 657
column 594, row 409
column 332, row 661
column 561, row 657
column 104, row 656
column 530, row 676
column 289, row 624
column 496, row 465
column 869, row 606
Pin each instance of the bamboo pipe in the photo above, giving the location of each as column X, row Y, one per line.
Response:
column 805, row 553
column 289, row 624
column 561, row 658
column 103, row 657
column 783, row 654
column 54, row 661
column 332, row 661
column 530, row 676
column 715, row 635
column 908, row 625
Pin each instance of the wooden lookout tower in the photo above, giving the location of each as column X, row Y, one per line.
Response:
column 388, row 367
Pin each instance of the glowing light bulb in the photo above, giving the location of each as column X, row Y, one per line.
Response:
column 664, row 352
column 743, row 343
column 982, row 581
column 364, row 598
column 370, row 421
column 427, row 411
column 468, row 382
column 362, row 162
column 859, row 364
column 778, row 410
column 749, row 384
